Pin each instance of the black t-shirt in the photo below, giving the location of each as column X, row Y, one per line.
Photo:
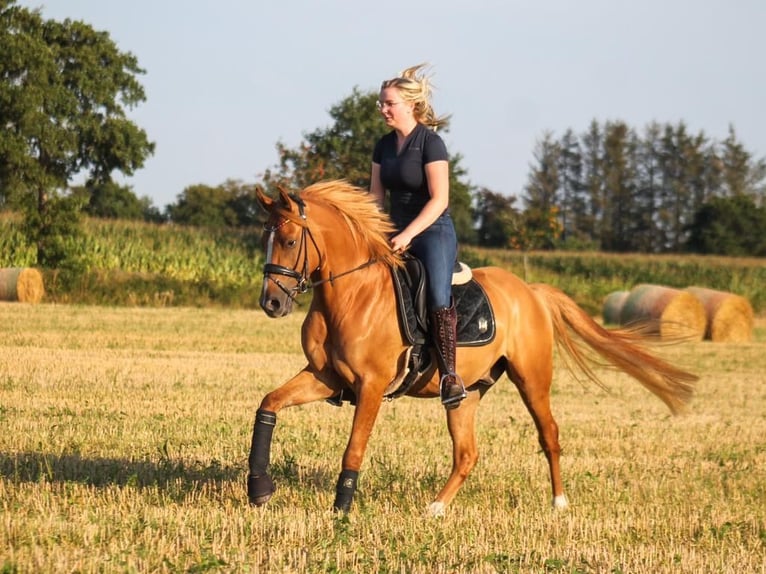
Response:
column 404, row 175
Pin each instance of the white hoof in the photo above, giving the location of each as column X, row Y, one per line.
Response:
column 436, row 509
column 560, row 502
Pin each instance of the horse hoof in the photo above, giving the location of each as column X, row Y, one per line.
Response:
column 436, row 510
column 259, row 489
column 560, row 502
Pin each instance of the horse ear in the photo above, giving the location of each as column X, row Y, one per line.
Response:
column 266, row 202
column 285, row 198
column 284, row 195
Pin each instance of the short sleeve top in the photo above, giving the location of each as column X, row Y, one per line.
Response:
column 403, row 173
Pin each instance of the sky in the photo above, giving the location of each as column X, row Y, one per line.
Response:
column 226, row 80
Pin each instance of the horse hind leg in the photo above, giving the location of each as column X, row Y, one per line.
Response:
column 535, row 393
column 461, row 423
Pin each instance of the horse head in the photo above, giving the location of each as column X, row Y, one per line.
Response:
column 288, row 260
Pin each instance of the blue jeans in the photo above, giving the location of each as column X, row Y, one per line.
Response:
column 436, row 247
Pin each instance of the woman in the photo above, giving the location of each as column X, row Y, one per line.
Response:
column 411, row 163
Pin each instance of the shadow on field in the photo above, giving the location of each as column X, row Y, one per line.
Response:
column 44, row 467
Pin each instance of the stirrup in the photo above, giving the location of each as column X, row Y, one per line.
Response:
column 451, row 402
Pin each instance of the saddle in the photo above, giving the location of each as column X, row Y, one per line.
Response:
column 475, row 319
column 475, row 322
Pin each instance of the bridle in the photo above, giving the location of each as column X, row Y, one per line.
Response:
column 302, row 277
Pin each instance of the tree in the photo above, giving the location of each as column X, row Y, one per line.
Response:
column 203, row 206
column 496, row 218
column 732, row 226
column 344, row 151
column 232, row 204
column 110, row 200
column 64, row 90
column 573, row 204
column 540, row 228
column 618, row 165
column 593, row 180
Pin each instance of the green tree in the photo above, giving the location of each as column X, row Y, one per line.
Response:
column 496, row 218
column 231, row 204
column 732, row 226
column 202, row 205
column 593, row 181
column 110, row 200
column 64, row 90
column 542, row 197
column 573, row 202
column 618, row 165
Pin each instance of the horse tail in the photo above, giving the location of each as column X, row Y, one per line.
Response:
column 624, row 349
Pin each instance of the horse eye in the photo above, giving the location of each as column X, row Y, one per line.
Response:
column 291, row 243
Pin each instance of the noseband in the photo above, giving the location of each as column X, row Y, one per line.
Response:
column 301, row 277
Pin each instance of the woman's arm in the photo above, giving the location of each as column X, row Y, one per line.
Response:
column 376, row 186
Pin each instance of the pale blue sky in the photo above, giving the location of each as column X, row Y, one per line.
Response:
column 227, row 79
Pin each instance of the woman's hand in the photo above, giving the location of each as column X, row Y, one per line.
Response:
column 400, row 243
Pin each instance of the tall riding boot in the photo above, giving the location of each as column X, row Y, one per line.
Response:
column 444, row 330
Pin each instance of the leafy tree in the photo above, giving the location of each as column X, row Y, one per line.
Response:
column 232, row 204
column 243, row 201
column 64, row 89
column 496, row 218
column 203, row 206
column 110, row 200
column 537, row 228
column 732, row 226
column 542, row 196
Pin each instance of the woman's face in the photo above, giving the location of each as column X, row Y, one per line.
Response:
column 394, row 109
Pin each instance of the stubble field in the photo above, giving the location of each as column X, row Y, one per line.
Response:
column 125, row 435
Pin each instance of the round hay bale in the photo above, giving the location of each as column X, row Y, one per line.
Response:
column 729, row 317
column 613, row 306
column 673, row 313
column 21, row 284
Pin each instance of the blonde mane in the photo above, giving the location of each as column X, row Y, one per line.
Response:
column 361, row 213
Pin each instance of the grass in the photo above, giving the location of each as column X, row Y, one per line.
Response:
column 126, row 433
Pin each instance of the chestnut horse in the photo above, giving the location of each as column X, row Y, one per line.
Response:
column 332, row 239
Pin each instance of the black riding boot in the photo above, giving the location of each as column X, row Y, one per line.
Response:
column 444, row 330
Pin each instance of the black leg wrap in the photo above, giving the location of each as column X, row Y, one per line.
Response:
column 344, row 491
column 259, row 489
column 259, row 484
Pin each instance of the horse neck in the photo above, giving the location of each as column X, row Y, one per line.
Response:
column 348, row 272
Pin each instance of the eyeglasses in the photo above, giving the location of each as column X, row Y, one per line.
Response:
column 383, row 105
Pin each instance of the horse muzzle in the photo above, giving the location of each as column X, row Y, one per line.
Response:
column 276, row 305
column 276, row 299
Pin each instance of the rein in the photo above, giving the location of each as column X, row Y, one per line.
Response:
column 302, row 284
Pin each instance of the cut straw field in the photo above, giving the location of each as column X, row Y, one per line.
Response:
column 125, row 434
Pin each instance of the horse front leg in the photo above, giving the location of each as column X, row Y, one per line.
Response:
column 303, row 388
column 365, row 414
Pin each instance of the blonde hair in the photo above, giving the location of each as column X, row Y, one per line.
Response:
column 415, row 87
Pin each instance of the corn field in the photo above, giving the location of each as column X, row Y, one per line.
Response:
column 181, row 253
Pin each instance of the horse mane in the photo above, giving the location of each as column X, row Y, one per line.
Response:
column 362, row 215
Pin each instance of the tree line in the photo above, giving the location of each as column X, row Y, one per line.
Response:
column 664, row 190
column 65, row 89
